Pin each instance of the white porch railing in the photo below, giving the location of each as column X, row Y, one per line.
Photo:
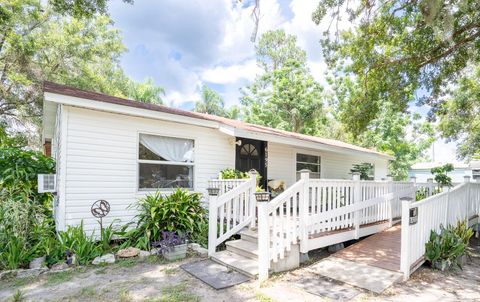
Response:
column 232, row 209
column 312, row 206
column 225, row 185
column 447, row 208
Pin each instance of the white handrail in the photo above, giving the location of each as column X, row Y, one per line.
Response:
column 231, row 212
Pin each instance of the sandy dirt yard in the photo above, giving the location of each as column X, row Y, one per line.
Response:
column 155, row 280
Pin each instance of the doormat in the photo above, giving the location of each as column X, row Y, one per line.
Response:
column 214, row 274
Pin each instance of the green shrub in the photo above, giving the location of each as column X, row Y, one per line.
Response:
column 445, row 250
column 25, row 215
column 179, row 212
column 76, row 240
column 230, row 173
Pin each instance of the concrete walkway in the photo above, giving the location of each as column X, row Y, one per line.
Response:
column 361, row 275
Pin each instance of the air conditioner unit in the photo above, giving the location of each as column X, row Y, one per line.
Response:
column 47, row 183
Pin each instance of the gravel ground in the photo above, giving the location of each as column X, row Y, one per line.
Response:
column 155, row 280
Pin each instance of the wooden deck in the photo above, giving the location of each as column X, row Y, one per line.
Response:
column 380, row 250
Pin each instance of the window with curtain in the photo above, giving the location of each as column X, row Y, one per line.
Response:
column 165, row 162
column 310, row 162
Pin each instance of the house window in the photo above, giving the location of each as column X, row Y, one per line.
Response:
column 165, row 162
column 310, row 162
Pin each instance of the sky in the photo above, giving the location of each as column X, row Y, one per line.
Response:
column 183, row 45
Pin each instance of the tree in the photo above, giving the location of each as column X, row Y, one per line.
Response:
column 366, row 170
column 440, row 175
column 389, row 134
column 146, row 92
column 459, row 118
column 275, row 48
column 285, row 96
column 394, row 49
column 213, row 103
column 81, row 8
column 37, row 44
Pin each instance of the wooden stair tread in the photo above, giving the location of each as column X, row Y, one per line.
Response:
column 237, row 262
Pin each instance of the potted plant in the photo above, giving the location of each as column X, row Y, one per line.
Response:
column 173, row 246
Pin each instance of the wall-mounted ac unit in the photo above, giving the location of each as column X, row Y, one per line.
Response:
column 47, row 183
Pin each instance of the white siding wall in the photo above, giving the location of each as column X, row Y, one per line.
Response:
column 282, row 163
column 102, row 152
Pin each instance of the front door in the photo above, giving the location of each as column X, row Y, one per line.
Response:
column 251, row 154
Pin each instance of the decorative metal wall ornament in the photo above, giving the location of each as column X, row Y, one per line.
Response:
column 100, row 209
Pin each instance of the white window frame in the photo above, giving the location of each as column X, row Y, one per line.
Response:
column 162, row 162
column 309, row 154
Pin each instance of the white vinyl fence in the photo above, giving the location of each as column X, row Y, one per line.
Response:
column 459, row 203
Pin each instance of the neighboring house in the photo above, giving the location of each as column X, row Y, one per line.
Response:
column 119, row 150
column 422, row 171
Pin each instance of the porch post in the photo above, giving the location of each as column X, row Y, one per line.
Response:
column 466, row 179
column 263, row 240
column 253, row 204
column 413, row 179
column 212, row 221
column 430, row 187
column 357, row 198
column 391, row 201
column 405, row 238
column 303, row 207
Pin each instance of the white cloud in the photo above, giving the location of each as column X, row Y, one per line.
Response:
column 231, row 74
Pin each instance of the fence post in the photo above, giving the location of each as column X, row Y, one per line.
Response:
column 252, row 204
column 391, row 201
column 466, row 179
column 430, row 187
column 405, row 238
column 357, row 198
column 304, row 206
column 413, row 179
column 263, row 240
column 212, row 220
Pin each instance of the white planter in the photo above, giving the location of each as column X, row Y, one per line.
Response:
column 176, row 252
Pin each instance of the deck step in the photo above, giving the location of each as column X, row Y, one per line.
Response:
column 237, row 262
column 249, row 235
column 243, row 247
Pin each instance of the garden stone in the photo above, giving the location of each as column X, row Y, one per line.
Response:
column 37, row 262
column 143, row 254
column 59, row 266
column 336, row 247
column 154, row 251
column 107, row 258
column 35, row 272
column 128, row 252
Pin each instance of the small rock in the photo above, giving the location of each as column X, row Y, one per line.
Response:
column 335, row 248
column 37, row 262
column 34, row 272
column 154, row 251
column 59, row 267
column 107, row 258
column 128, row 252
column 143, row 254
column 7, row 274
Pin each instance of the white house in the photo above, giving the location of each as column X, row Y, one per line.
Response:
column 422, row 171
column 118, row 150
